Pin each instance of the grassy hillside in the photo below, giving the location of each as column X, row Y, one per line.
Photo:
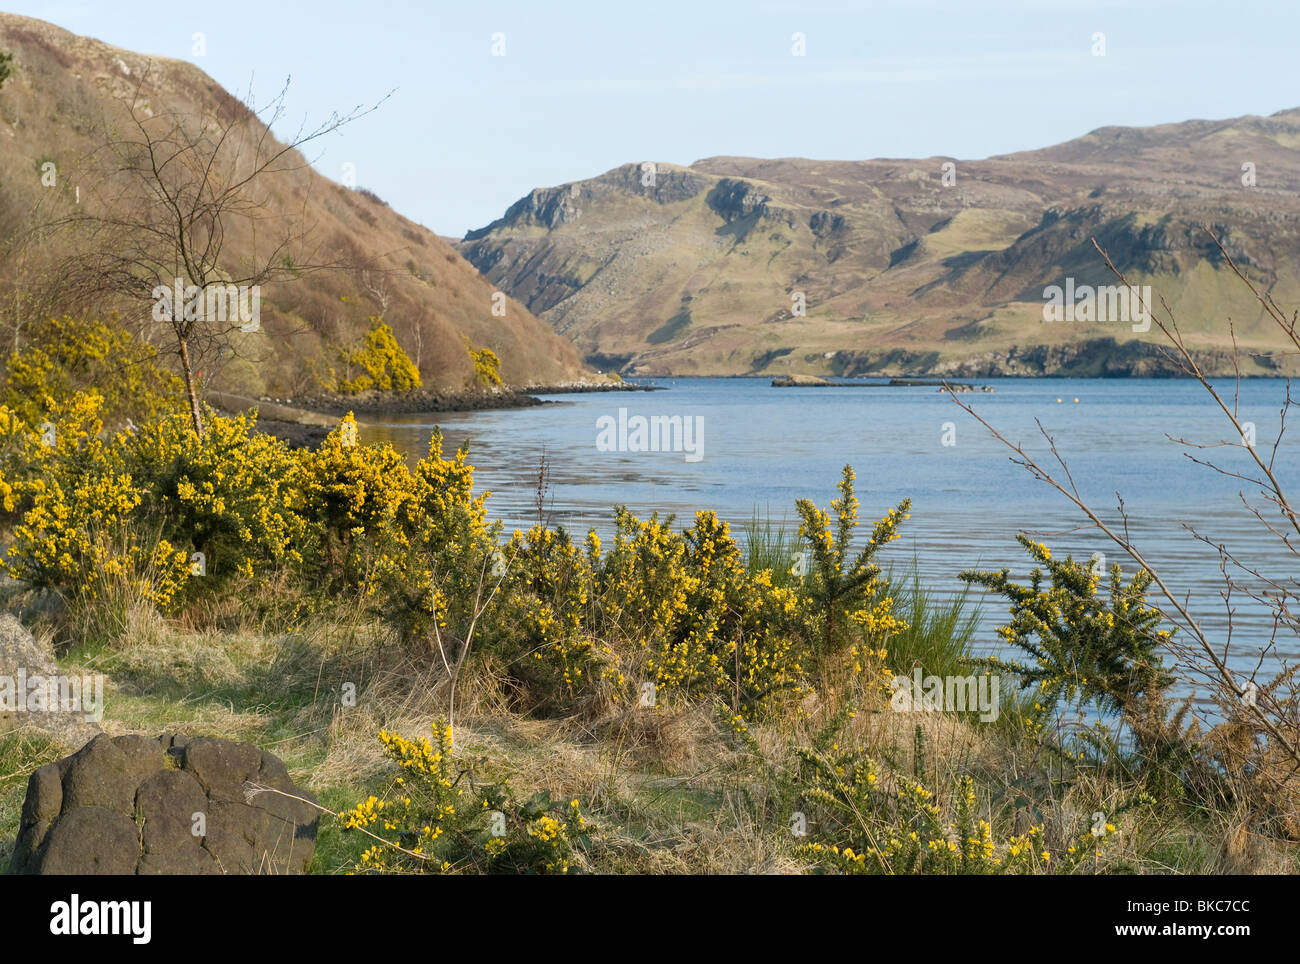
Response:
column 67, row 99
column 901, row 271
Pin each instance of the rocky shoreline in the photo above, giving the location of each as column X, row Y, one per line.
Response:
column 298, row 435
column 305, row 422
column 421, row 400
column 434, row 401
column 816, row 381
column 582, row 388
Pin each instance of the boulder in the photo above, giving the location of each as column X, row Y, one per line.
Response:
column 26, row 671
column 174, row 805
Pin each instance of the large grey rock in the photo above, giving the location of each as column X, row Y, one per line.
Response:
column 90, row 840
column 222, row 767
column 106, row 772
column 174, row 805
column 23, row 658
column 166, row 803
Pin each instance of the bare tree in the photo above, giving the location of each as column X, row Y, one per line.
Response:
column 174, row 188
column 375, row 281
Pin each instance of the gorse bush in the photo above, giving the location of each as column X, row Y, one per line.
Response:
column 436, row 570
column 846, row 590
column 435, row 818
column 487, row 367
column 231, row 493
column 76, row 504
column 730, row 627
column 687, row 614
column 862, row 816
column 675, row 611
column 1085, row 648
column 145, row 502
column 1102, row 647
column 378, row 363
column 138, row 505
column 554, row 651
column 356, row 494
column 183, row 517
column 65, row 356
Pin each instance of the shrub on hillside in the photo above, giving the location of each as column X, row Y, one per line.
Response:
column 487, row 367
column 65, row 356
column 378, row 363
column 136, row 507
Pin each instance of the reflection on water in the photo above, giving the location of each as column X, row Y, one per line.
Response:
column 765, row 447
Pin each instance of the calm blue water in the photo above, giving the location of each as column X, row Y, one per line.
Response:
column 765, row 447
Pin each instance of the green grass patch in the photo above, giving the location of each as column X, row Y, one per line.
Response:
column 939, row 630
column 670, row 329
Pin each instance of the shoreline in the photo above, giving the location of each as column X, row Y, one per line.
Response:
column 1009, row 376
column 811, row 381
column 306, row 422
column 581, row 389
column 434, row 401
column 418, row 402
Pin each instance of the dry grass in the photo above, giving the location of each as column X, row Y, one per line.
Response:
column 672, row 788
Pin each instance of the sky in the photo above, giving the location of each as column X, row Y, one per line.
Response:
column 490, row 100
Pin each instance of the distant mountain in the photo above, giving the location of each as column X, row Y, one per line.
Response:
column 696, row 270
column 65, row 93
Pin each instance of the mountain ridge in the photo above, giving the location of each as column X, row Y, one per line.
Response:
column 926, row 266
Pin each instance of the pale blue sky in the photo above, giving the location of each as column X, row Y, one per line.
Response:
column 586, row 86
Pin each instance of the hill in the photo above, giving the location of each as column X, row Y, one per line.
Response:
column 697, row 270
column 67, row 99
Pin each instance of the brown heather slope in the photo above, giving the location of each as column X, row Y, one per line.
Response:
column 65, row 93
column 901, row 274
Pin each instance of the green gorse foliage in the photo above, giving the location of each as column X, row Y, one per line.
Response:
column 1085, row 647
column 843, row 589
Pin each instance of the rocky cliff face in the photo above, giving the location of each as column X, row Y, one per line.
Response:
column 736, row 265
column 1095, row 358
column 733, row 199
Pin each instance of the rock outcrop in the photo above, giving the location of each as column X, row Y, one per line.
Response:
column 171, row 805
column 35, row 695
